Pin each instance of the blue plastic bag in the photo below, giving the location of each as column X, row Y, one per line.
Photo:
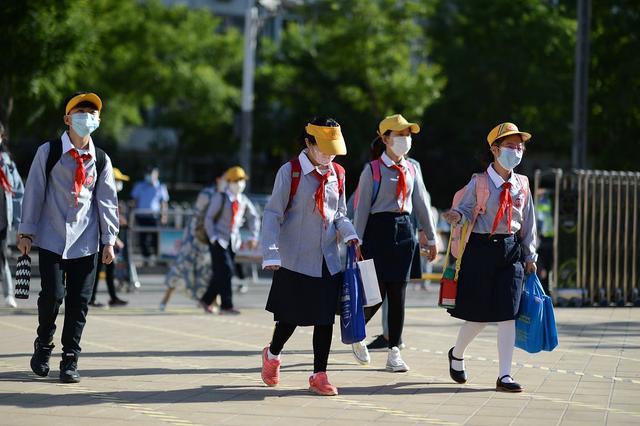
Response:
column 529, row 323
column 550, row 333
column 352, row 326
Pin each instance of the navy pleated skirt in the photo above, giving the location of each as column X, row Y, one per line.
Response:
column 490, row 280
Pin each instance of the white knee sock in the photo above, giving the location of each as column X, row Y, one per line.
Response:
column 506, row 342
column 467, row 333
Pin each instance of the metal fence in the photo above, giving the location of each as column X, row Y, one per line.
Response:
column 595, row 240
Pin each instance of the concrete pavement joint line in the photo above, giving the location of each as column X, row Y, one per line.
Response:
column 384, row 410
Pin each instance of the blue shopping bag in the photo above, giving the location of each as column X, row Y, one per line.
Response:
column 529, row 322
column 352, row 325
column 550, row 333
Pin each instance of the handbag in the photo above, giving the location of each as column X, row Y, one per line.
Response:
column 352, row 325
column 370, row 286
column 529, row 322
column 449, row 280
column 550, row 332
column 23, row 277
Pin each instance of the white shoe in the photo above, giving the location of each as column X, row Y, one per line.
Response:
column 10, row 302
column 395, row 362
column 361, row 353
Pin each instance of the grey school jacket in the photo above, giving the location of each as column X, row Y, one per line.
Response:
column 220, row 230
column 523, row 213
column 13, row 201
column 49, row 211
column 297, row 239
column 386, row 200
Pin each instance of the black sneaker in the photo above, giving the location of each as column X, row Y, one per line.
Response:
column 117, row 302
column 378, row 343
column 69, row 369
column 40, row 359
column 508, row 387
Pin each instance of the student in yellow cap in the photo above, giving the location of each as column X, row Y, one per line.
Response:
column 225, row 215
column 301, row 223
column 500, row 250
column 389, row 191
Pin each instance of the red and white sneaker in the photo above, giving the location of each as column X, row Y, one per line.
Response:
column 270, row 369
column 319, row 384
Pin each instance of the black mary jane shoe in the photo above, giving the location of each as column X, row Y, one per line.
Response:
column 457, row 376
column 508, row 387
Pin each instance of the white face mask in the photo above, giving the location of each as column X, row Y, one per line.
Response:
column 400, row 145
column 237, row 187
column 321, row 158
column 509, row 158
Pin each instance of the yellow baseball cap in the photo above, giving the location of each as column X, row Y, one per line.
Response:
column 396, row 122
column 329, row 139
column 506, row 129
column 83, row 97
column 234, row 174
column 118, row 175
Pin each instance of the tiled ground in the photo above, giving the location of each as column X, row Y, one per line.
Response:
column 182, row 367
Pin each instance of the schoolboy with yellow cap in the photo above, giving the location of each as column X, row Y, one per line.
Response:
column 301, row 223
column 80, row 213
column 502, row 236
column 390, row 190
column 225, row 215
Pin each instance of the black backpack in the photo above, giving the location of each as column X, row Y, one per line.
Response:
column 55, row 152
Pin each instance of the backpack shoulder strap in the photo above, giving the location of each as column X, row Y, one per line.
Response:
column 296, row 175
column 101, row 160
column 412, row 167
column 524, row 183
column 377, row 178
column 216, row 218
column 482, row 192
column 341, row 176
column 55, row 152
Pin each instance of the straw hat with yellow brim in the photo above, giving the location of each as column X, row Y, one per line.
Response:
column 118, row 175
column 506, row 129
column 396, row 123
column 329, row 139
column 83, row 97
column 235, row 174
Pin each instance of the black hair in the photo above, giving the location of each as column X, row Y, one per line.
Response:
column 1, row 129
column 83, row 104
column 317, row 121
column 378, row 146
column 3, row 146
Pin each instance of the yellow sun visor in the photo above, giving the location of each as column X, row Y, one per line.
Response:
column 329, row 139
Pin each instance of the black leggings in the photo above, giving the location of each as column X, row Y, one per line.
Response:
column 395, row 291
column 321, row 342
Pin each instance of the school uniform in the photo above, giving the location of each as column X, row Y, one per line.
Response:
column 10, row 212
column 492, row 270
column 388, row 234
column 68, row 226
column 149, row 198
column 304, row 244
column 224, row 218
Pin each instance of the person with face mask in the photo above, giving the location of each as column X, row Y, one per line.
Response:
column 301, row 223
column 70, row 208
column 151, row 199
column 114, row 300
column 10, row 209
column 500, row 250
column 389, row 191
column 225, row 215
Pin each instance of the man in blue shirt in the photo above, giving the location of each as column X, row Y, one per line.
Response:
column 151, row 201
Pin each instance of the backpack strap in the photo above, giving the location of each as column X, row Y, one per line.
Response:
column 482, row 193
column 55, row 152
column 216, row 218
column 524, row 183
column 341, row 177
column 412, row 168
column 377, row 178
column 296, row 175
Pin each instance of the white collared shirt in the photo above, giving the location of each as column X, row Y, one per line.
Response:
column 67, row 146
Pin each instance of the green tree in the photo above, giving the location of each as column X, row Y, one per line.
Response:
column 356, row 61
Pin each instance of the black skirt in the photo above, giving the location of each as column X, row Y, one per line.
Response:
column 490, row 280
column 299, row 299
column 389, row 239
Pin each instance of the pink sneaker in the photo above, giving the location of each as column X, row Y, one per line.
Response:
column 319, row 384
column 270, row 369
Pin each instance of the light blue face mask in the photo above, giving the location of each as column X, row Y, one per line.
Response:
column 509, row 158
column 84, row 123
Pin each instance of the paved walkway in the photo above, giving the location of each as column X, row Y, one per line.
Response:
column 182, row 367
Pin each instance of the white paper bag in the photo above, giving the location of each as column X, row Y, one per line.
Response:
column 369, row 283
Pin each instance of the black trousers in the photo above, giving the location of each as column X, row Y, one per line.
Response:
column 222, row 264
column 395, row 293
column 321, row 342
column 110, row 270
column 148, row 240
column 71, row 281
